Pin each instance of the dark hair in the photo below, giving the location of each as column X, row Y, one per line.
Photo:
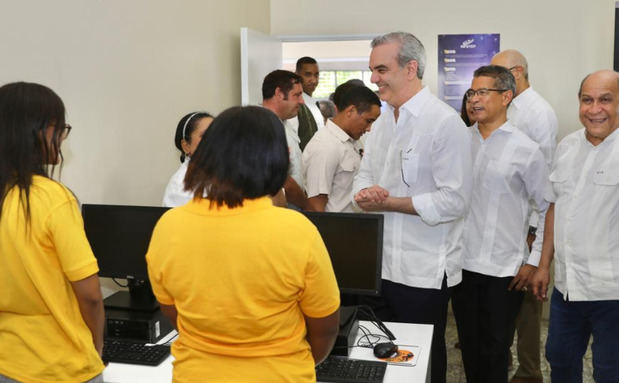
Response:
column 282, row 79
column 26, row 111
column 188, row 123
column 361, row 97
column 503, row 78
column 244, row 154
column 342, row 88
column 463, row 114
column 304, row 60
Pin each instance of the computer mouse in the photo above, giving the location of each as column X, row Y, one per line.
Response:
column 385, row 350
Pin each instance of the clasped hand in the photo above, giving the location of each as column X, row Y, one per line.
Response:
column 372, row 198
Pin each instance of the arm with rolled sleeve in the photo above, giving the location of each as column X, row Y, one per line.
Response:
column 365, row 178
column 452, row 170
column 536, row 183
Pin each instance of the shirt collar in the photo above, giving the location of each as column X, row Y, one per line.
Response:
column 307, row 98
column 338, row 132
column 507, row 127
column 415, row 104
column 607, row 141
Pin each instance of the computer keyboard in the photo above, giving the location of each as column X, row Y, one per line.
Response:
column 131, row 352
column 343, row 370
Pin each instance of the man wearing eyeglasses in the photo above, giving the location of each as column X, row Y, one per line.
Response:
column 534, row 116
column 416, row 169
column 509, row 170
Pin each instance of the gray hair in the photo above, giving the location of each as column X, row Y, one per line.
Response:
column 410, row 49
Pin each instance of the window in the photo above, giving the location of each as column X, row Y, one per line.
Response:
column 330, row 79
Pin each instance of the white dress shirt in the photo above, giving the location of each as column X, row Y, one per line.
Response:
column 534, row 116
column 296, row 161
column 585, row 190
column 425, row 155
column 311, row 104
column 509, row 170
column 330, row 162
column 175, row 193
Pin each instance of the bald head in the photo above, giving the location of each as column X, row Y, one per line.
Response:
column 606, row 76
column 517, row 64
column 511, row 58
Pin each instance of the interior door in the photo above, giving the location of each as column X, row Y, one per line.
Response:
column 260, row 55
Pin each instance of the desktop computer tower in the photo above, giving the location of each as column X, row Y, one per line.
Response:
column 349, row 326
column 142, row 326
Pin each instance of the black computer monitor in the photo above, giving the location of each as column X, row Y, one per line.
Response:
column 355, row 244
column 119, row 238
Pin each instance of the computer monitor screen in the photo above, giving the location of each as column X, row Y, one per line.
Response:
column 119, row 237
column 355, row 244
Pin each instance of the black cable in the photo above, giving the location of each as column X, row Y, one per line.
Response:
column 120, row 284
column 367, row 310
column 368, row 340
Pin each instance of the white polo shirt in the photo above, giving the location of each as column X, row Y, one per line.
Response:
column 425, row 155
column 585, row 190
column 509, row 170
column 330, row 162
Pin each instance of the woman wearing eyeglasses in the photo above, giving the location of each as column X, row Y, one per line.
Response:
column 51, row 309
column 189, row 132
column 466, row 111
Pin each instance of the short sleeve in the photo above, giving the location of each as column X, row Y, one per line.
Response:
column 320, row 163
column 321, row 296
column 66, row 227
column 155, row 267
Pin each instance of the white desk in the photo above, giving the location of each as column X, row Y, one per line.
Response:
column 406, row 333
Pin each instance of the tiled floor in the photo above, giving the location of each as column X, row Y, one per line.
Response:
column 455, row 371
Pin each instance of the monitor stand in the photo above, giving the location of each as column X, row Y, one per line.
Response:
column 139, row 298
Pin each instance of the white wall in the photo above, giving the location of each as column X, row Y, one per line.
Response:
column 563, row 40
column 127, row 71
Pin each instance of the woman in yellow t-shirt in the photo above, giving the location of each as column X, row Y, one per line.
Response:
column 248, row 285
column 51, row 310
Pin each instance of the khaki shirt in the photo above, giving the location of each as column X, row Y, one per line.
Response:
column 330, row 163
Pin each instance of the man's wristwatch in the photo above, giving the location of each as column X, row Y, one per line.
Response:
column 532, row 230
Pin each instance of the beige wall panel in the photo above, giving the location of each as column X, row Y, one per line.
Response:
column 127, row 71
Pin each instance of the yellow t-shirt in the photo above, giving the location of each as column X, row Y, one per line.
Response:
column 241, row 280
column 43, row 337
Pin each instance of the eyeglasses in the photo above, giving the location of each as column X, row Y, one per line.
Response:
column 482, row 92
column 66, row 131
